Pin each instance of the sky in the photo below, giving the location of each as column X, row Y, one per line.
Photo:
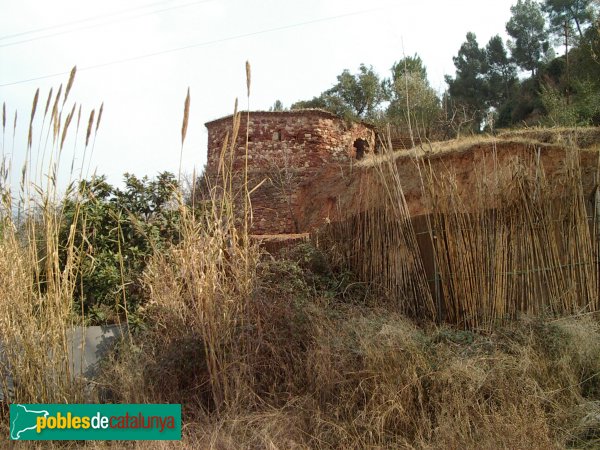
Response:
column 139, row 57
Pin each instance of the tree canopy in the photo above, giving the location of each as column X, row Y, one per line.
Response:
column 414, row 105
column 570, row 12
column 469, row 87
column 527, row 27
column 501, row 73
column 354, row 96
column 122, row 228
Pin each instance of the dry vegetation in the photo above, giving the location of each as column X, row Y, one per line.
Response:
column 36, row 287
column 513, row 240
column 582, row 138
column 293, row 352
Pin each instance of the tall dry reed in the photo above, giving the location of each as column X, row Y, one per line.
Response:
column 39, row 271
column 200, row 292
column 518, row 243
column 516, row 240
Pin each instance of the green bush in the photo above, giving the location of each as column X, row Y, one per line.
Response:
column 580, row 108
column 118, row 230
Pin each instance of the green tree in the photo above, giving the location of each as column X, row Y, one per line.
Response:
column 322, row 101
column 409, row 65
column 354, row 96
column 501, row 73
column 117, row 231
column 412, row 100
column 468, row 90
column 527, row 27
column 586, row 57
column 570, row 12
column 277, row 106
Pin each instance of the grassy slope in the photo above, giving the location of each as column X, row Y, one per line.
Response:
column 336, row 368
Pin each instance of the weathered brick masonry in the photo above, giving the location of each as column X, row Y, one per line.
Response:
column 286, row 152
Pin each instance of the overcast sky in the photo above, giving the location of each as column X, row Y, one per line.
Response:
column 140, row 56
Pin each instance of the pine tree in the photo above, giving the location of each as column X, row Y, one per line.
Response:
column 527, row 27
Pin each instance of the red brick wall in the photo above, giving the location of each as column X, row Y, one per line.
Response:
column 286, row 151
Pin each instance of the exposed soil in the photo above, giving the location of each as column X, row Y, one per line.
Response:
column 335, row 194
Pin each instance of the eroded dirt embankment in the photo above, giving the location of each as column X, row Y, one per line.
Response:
column 339, row 192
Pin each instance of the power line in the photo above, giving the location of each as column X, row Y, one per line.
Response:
column 200, row 44
column 87, row 19
column 123, row 19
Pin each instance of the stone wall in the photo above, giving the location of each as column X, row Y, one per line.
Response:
column 286, row 151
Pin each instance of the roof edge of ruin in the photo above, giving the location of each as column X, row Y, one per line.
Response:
column 293, row 112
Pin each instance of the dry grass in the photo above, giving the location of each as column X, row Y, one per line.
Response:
column 358, row 377
column 38, row 275
column 198, row 307
column 369, row 378
column 184, row 127
column 521, row 244
column 515, row 240
column 584, row 138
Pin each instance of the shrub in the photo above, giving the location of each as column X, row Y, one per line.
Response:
column 121, row 229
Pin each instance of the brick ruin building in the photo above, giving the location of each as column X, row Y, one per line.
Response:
column 287, row 152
